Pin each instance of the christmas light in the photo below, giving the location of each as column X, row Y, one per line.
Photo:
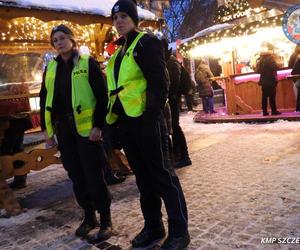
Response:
column 30, row 31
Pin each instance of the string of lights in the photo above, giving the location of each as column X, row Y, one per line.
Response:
column 223, row 36
column 28, row 31
column 232, row 9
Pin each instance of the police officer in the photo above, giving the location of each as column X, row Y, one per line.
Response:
column 137, row 88
column 73, row 106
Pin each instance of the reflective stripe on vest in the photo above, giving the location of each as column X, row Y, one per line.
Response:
column 131, row 84
column 83, row 99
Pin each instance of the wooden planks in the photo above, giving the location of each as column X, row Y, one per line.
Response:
column 36, row 159
column 245, row 97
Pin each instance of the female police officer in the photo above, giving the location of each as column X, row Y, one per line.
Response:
column 73, row 106
column 137, row 88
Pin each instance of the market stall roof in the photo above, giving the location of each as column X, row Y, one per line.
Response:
column 202, row 33
column 209, row 30
column 236, row 24
column 79, row 11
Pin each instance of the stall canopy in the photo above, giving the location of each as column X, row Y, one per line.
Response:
column 79, row 11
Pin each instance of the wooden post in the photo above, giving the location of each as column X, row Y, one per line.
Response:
column 100, row 31
column 230, row 96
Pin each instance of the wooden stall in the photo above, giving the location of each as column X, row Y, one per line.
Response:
column 237, row 44
column 25, row 50
column 243, row 94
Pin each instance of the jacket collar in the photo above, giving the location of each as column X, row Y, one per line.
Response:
column 131, row 36
column 73, row 59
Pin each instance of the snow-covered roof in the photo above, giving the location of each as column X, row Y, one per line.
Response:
column 94, row 7
column 203, row 32
column 213, row 29
column 209, row 30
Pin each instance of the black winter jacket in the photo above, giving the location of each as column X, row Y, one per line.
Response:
column 267, row 68
column 174, row 69
column 296, row 68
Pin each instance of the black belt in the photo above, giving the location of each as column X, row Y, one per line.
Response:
column 63, row 117
column 116, row 91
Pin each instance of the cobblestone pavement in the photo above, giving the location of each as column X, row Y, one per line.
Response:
column 243, row 185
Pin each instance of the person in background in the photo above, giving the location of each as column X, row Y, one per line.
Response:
column 73, row 101
column 187, row 88
column 294, row 58
column 180, row 150
column 12, row 143
column 267, row 67
column 137, row 88
column 296, row 71
column 202, row 77
column 111, row 178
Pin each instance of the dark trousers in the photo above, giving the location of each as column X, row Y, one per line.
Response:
column 84, row 161
column 146, row 148
column 268, row 92
column 189, row 101
column 298, row 100
column 208, row 104
column 11, row 143
column 180, row 148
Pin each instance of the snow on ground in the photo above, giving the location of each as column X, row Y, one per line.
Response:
column 243, row 185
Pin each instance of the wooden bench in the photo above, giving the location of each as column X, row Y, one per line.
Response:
column 35, row 160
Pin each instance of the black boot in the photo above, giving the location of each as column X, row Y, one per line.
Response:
column 176, row 243
column 19, row 182
column 183, row 162
column 105, row 231
column 114, row 179
column 148, row 235
column 89, row 222
column 276, row 112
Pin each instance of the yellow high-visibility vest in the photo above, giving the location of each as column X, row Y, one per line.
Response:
column 83, row 99
column 131, row 85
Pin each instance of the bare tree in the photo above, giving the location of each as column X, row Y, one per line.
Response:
column 200, row 16
column 174, row 17
column 186, row 17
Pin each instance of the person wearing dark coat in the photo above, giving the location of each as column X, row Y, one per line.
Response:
column 267, row 68
column 137, row 88
column 294, row 59
column 296, row 71
column 202, row 77
column 73, row 101
column 180, row 149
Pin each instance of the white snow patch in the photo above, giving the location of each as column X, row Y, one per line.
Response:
column 96, row 7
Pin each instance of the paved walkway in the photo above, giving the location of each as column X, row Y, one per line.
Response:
column 244, row 185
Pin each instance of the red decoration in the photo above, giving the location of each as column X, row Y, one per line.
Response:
column 111, row 48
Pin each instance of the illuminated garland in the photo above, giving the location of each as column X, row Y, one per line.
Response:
column 231, row 10
column 28, row 31
column 236, row 31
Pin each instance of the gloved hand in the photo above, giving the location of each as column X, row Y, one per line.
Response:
column 49, row 141
column 95, row 134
